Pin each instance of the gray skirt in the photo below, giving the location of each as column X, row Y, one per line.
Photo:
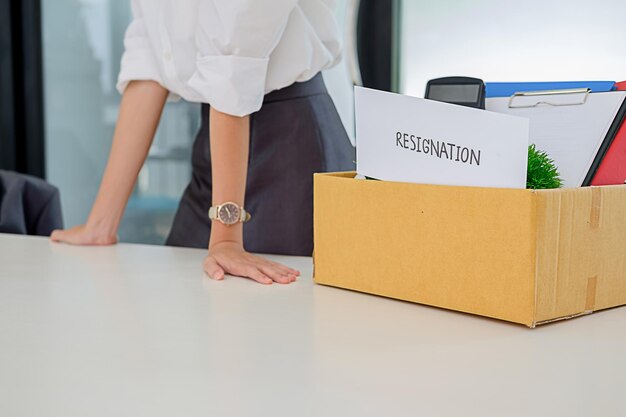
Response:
column 296, row 133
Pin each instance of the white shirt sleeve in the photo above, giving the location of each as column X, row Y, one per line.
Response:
column 138, row 60
column 234, row 39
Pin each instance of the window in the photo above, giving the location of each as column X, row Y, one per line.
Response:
column 82, row 46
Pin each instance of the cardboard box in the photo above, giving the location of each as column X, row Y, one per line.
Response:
column 524, row 256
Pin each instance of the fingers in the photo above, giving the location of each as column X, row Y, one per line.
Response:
column 267, row 265
column 79, row 235
column 227, row 258
column 64, row 236
column 256, row 271
column 56, row 235
column 216, row 268
column 284, row 269
column 276, row 275
column 213, row 269
column 257, row 275
column 279, row 273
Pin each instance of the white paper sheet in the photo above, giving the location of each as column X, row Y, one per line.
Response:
column 408, row 139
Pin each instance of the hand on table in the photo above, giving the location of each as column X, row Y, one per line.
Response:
column 83, row 235
column 231, row 258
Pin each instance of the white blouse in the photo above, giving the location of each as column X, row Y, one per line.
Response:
column 228, row 53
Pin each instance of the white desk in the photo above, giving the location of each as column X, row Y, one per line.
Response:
column 138, row 331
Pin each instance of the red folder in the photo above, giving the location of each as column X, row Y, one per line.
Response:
column 620, row 85
column 612, row 169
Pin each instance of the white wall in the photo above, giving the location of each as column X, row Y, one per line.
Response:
column 504, row 40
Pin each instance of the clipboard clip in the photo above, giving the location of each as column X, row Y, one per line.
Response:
column 528, row 99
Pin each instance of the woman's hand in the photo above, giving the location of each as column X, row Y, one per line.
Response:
column 230, row 258
column 83, row 235
column 230, row 147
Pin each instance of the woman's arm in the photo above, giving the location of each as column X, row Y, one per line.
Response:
column 140, row 111
column 230, row 144
column 234, row 40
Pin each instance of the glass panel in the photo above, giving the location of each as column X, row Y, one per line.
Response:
column 532, row 40
column 83, row 43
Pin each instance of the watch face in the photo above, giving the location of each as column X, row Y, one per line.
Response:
column 229, row 213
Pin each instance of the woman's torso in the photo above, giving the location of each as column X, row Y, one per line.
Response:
column 309, row 43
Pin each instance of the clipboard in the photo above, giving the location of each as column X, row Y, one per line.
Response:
column 574, row 126
column 507, row 89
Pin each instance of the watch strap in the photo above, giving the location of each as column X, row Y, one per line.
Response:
column 213, row 213
column 245, row 216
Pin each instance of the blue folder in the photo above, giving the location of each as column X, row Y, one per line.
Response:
column 508, row 89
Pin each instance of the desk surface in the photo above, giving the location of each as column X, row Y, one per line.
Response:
column 137, row 330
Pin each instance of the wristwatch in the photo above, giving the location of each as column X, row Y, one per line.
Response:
column 229, row 213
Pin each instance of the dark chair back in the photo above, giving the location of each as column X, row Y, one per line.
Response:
column 28, row 205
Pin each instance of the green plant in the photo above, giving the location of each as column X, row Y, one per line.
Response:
column 542, row 172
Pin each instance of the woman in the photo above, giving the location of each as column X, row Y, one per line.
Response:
column 267, row 125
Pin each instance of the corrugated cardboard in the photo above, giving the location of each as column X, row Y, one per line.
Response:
column 523, row 256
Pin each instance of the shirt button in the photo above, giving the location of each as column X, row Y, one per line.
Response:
column 167, row 56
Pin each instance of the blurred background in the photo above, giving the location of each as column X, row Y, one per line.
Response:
column 59, row 61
